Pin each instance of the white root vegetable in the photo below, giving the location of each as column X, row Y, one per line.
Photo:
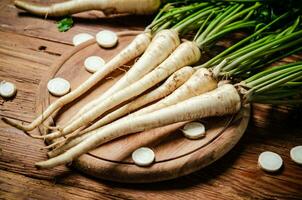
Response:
column 61, row 149
column 93, row 63
column 7, row 89
column 80, row 38
column 106, row 39
column 107, row 6
column 186, row 54
column 296, row 154
column 162, row 45
column 58, row 86
column 221, row 101
column 134, row 49
column 270, row 161
column 194, row 130
column 143, row 156
column 200, row 82
column 172, row 83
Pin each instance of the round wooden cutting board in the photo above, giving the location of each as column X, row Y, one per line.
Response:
column 175, row 155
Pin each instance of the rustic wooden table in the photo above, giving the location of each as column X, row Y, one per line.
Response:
column 29, row 45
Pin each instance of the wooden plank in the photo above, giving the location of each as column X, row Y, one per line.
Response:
column 49, row 49
column 229, row 178
column 15, row 20
column 25, row 61
column 28, row 188
column 235, row 176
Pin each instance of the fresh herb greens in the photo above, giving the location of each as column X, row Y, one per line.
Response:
column 65, row 24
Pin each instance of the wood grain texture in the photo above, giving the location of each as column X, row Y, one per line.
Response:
column 234, row 176
column 17, row 21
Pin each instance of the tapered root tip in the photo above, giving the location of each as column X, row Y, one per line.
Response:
column 13, row 123
column 51, row 163
column 53, row 145
column 20, row 127
column 39, row 166
column 21, row 4
column 32, row 8
column 43, row 165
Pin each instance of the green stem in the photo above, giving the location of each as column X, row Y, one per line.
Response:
column 227, row 30
column 232, row 16
column 248, row 48
column 264, row 54
column 270, row 71
column 293, row 84
column 268, row 46
column 276, row 58
column 279, row 82
column 177, row 11
column 203, row 25
column 240, row 43
column 192, row 18
column 214, row 22
column 270, row 78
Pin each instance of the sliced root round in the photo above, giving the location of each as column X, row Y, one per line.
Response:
column 296, row 154
column 270, row 161
column 194, row 130
column 106, row 39
column 143, row 156
column 93, row 63
column 7, row 89
column 58, row 86
column 80, row 38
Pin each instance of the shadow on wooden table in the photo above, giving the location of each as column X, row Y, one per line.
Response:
column 263, row 129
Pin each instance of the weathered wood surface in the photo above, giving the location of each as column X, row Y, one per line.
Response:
column 24, row 60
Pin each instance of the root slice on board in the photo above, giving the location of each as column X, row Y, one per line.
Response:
column 80, row 38
column 143, row 156
column 7, row 89
column 93, row 63
column 194, row 130
column 106, row 39
column 58, row 86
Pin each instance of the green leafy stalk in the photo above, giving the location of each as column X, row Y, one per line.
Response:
column 246, row 60
column 275, row 85
column 241, row 43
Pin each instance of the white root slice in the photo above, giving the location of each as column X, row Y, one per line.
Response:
column 80, row 38
column 296, row 154
column 58, row 86
column 194, row 130
column 143, row 156
column 7, row 89
column 106, row 39
column 270, row 161
column 93, row 63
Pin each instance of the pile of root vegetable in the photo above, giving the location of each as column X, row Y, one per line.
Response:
column 180, row 86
